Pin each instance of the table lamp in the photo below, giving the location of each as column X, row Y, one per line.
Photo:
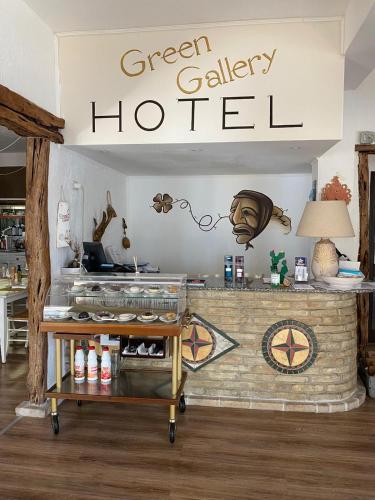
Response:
column 324, row 220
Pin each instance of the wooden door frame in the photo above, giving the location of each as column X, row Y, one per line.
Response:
column 40, row 127
column 365, row 253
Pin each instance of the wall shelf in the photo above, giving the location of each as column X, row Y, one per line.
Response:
column 12, row 216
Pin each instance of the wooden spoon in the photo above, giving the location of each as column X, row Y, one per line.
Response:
column 125, row 239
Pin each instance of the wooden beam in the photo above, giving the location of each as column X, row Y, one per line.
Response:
column 365, row 148
column 363, row 300
column 26, row 127
column 38, row 261
column 17, row 103
column 363, row 194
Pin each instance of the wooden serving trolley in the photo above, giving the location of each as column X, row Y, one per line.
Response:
column 133, row 385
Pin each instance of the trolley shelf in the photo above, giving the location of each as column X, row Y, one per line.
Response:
column 132, row 386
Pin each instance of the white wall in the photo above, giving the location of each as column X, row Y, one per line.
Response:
column 67, row 166
column 176, row 243
column 27, row 54
column 27, row 66
column 342, row 160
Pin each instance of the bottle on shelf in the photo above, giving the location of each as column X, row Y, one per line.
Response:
column 13, row 275
column 228, row 268
column 19, row 274
column 105, row 374
column 239, row 268
column 79, row 365
column 92, row 365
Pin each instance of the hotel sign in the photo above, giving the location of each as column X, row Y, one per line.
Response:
column 256, row 82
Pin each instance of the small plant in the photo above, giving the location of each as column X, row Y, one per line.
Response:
column 275, row 259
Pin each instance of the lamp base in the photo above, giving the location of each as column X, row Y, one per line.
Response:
column 325, row 262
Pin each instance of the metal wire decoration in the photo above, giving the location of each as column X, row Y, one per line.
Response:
column 164, row 203
column 250, row 213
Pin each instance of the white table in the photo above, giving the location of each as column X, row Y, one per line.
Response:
column 6, row 297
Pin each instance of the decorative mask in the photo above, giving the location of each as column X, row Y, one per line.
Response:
column 250, row 214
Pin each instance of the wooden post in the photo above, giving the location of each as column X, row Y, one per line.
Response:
column 38, row 260
column 363, row 300
column 29, row 120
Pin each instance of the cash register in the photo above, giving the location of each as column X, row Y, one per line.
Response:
column 94, row 260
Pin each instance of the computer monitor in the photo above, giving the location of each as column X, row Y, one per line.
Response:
column 93, row 256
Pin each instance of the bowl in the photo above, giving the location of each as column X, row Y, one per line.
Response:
column 125, row 317
column 350, row 265
column 341, row 282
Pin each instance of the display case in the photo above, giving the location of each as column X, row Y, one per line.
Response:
column 110, row 298
column 146, row 310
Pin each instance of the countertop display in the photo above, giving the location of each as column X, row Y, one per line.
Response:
column 109, row 300
column 257, row 285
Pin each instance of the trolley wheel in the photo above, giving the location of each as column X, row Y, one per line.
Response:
column 172, row 431
column 182, row 404
column 79, row 402
column 55, row 424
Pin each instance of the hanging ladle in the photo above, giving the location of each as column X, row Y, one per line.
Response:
column 125, row 239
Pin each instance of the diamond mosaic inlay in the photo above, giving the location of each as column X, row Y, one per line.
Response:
column 290, row 346
column 203, row 343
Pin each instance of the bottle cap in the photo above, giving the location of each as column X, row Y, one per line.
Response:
column 91, row 348
column 105, row 348
column 79, row 348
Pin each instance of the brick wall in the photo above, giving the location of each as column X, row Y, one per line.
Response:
column 243, row 378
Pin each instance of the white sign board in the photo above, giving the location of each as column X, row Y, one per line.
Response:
column 253, row 82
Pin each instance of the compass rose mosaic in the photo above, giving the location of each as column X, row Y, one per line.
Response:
column 203, row 343
column 290, row 346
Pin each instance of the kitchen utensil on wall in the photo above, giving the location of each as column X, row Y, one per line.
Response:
column 125, row 239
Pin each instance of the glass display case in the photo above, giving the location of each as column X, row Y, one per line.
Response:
column 117, row 298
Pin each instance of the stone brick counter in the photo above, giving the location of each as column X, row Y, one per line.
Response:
column 245, row 351
column 242, row 377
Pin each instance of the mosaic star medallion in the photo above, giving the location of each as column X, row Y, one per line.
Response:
column 203, row 343
column 290, row 346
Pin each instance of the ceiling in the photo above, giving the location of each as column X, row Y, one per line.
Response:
column 7, row 137
column 360, row 55
column 86, row 15
column 208, row 158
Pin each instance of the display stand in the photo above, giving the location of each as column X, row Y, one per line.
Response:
column 148, row 386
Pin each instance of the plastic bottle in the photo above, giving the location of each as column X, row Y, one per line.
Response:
column 19, row 274
column 239, row 268
column 92, row 365
column 79, row 365
column 105, row 376
column 228, row 268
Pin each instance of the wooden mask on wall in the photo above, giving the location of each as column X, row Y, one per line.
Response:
column 250, row 214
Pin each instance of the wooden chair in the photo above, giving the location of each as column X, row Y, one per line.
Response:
column 18, row 328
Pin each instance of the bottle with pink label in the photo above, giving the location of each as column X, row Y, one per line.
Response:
column 79, row 365
column 92, row 365
column 105, row 377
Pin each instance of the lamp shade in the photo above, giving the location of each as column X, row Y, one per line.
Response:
column 325, row 219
